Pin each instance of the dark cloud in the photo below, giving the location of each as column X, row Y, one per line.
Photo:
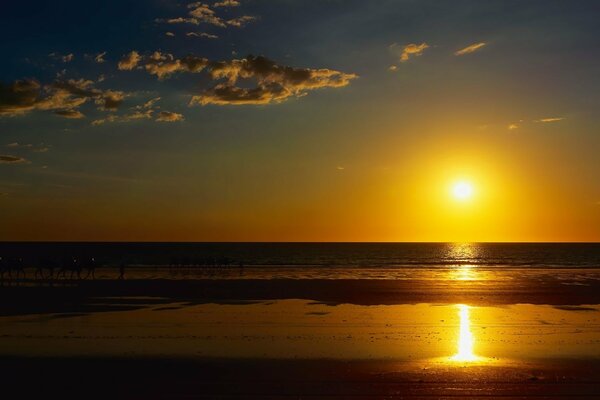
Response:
column 6, row 159
column 63, row 97
column 72, row 114
column 19, row 97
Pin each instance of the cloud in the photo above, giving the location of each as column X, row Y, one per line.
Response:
column 134, row 116
column 240, row 21
column 274, row 82
column 201, row 35
column 552, row 119
column 180, row 20
column 167, row 116
column 512, row 127
column 393, row 68
column 200, row 13
column 6, row 159
column 170, row 34
column 408, row 51
column 19, row 97
column 227, row 3
column 130, row 61
column 149, row 104
column 66, row 58
column 72, row 114
column 203, row 13
column 100, row 57
column 470, row 49
column 164, row 64
column 41, row 148
column 62, row 96
column 110, row 100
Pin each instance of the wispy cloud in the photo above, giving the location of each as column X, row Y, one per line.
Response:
column 552, row 119
column 99, row 58
column 133, row 116
column 470, row 49
column 41, row 148
column 408, row 51
column 227, row 3
column 66, row 58
column 200, row 13
column 202, row 35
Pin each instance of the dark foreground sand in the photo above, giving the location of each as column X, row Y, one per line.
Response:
column 286, row 379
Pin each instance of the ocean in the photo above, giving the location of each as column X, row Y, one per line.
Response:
column 315, row 255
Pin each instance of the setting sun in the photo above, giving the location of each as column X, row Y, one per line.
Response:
column 462, row 190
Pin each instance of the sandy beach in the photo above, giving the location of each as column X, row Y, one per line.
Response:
column 303, row 338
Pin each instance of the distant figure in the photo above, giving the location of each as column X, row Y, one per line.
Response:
column 122, row 271
column 71, row 265
column 16, row 265
column 90, row 264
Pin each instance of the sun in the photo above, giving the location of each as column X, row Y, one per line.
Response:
column 462, row 190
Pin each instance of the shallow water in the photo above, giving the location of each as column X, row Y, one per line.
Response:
column 449, row 334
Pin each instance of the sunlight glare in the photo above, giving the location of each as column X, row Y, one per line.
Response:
column 465, row 338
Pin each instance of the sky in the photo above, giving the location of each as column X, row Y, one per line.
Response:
column 289, row 120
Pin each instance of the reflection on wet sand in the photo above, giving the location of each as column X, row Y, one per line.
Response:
column 465, row 337
column 290, row 329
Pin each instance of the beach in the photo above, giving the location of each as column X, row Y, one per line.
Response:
column 458, row 333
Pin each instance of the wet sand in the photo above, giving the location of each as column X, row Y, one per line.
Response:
column 300, row 338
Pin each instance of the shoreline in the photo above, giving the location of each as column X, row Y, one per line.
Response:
column 32, row 297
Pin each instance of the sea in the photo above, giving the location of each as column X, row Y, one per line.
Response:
column 312, row 260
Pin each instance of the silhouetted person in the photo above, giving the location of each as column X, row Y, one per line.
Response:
column 122, row 271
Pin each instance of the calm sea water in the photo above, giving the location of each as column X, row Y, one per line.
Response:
column 319, row 255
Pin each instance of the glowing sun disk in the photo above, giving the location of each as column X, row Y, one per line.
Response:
column 462, row 190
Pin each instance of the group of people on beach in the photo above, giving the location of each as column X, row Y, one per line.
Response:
column 71, row 267
column 74, row 267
